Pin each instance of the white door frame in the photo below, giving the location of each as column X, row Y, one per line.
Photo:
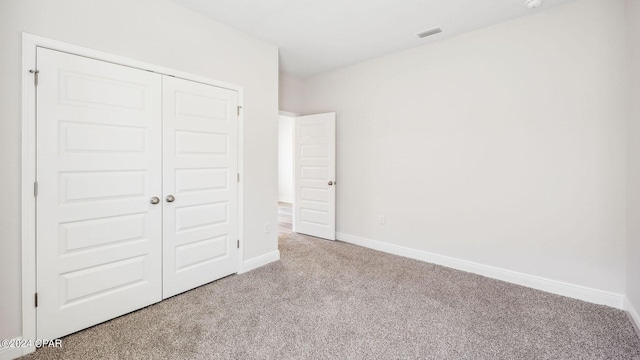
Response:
column 28, row 216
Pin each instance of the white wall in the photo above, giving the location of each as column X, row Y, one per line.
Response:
column 285, row 158
column 504, row 146
column 633, row 160
column 159, row 32
column 291, row 93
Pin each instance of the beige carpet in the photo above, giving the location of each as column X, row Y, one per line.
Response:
column 331, row 300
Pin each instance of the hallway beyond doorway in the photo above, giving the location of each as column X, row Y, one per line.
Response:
column 285, row 219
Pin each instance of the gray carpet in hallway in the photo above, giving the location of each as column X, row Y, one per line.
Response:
column 331, row 300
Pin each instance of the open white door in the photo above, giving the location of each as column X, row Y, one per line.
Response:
column 99, row 178
column 315, row 171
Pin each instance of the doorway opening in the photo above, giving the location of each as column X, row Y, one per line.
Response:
column 306, row 174
column 286, row 129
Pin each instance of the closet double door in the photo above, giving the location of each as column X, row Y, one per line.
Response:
column 136, row 189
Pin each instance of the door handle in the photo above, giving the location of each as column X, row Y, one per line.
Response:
column 331, row 183
column 154, row 200
column 170, row 198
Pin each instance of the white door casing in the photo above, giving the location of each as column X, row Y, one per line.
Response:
column 200, row 169
column 315, row 169
column 99, row 163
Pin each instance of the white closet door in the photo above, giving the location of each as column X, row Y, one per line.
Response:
column 98, row 149
column 314, row 206
column 200, row 186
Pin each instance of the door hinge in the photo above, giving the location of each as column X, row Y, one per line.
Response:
column 238, row 243
column 36, row 299
column 239, row 107
column 35, row 76
column 238, row 177
column 35, row 189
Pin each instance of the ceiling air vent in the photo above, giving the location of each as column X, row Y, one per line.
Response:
column 429, row 32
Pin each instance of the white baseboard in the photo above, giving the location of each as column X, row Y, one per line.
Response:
column 633, row 314
column 259, row 261
column 11, row 353
column 286, row 200
column 553, row 286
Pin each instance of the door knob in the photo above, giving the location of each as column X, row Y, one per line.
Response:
column 154, row 200
column 330, row 183
column 170, row 198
